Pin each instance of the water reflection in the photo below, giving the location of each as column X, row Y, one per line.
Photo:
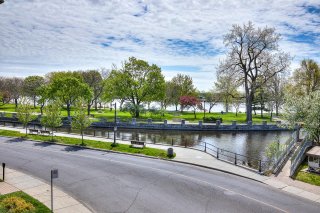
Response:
column 251, row 144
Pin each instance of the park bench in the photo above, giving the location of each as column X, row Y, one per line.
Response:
column 45, row 132
column 139, row 144
column 33, row 131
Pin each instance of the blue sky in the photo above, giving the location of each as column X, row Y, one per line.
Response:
column 181, row 36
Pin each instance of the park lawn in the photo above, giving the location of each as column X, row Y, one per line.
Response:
column 169, row 115
column 307, row 177
column 160, row 153
column 39, row 207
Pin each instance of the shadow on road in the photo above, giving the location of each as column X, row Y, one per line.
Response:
column 43, row 144
column 15, row 140
column 73, row 148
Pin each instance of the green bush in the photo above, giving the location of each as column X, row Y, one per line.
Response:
column 211, row 119
column 17, row 205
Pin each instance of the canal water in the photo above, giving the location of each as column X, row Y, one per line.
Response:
column 250, row 144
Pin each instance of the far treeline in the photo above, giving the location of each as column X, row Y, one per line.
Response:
column 255, row 72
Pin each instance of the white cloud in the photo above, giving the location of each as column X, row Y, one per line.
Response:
column 42, row 35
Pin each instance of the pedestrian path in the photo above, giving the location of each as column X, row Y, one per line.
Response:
column 18, row 181
column 196, row 157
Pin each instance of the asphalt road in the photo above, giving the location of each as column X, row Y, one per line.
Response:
column 108, row 182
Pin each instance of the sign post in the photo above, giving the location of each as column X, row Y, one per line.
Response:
column 54, row 174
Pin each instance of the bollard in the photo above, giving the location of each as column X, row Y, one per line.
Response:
column 3, row 170
column 217, row 153
column 235, row 158
column 205, row 147
column 170, row 152
column 259, row 165
column 171, row 141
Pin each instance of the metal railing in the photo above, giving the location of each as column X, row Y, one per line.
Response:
column 299, row 156
column 2, row 172
column 283, row 155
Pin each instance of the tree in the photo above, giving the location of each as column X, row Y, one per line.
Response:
column 52, row 116
column 306, row 78
column 306, row 110
column 276, row 89
column 237, row 101
column 137, row 82
column 211, row 98
column 190, row 102
column 80, row 120
column 13, row 87
column 68, row 90
column 94, row 80
column 253, row 54
column 181, row 85
column 31, row 85
column 43, row 96
column 25, row 113
column 226, row 86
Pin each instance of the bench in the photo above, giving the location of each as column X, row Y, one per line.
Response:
column 33, row 131
column 45, row 132
column 139, row 144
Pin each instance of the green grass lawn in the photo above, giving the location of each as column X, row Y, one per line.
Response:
column 307, row 177
column 38, row 206
column 169, row 115
column 160, row 153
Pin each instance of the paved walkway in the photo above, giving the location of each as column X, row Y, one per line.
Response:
column 18, row 181
column 282, row 182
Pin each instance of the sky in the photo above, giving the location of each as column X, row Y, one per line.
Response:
column 180, row 36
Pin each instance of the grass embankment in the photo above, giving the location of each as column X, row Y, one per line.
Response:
column 169, row 115
column 307, row 177
column 21, row 202
column 90, row 143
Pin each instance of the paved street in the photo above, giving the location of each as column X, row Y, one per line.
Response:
column 108, row 182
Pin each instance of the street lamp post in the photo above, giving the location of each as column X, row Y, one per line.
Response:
column 115, row 124
column 204, row 108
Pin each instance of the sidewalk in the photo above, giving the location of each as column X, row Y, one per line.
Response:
column 196, row 157
column 63, row 203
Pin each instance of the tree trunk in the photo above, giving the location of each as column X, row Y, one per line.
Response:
column 82, row 138
column 249, row 99
column 34, row 102
column 277, row 110
column 261, row 111
column 227, row 106
column 89, row 108
column 194, row 112
column 95, row 105
column 16, row 102
column 68, row 109
column 176, row 107
column 41, row 109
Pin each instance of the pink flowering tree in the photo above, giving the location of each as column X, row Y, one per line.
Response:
column 191, row 102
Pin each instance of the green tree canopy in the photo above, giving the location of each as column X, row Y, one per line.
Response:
column 80, row 120
column 68, row 90
column 52, row 116
column 25, row 112
column 31, row 85
column 137, row 82
column 180, row 85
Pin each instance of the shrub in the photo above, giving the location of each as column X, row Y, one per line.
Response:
column 211, row 119
column 17, row 205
